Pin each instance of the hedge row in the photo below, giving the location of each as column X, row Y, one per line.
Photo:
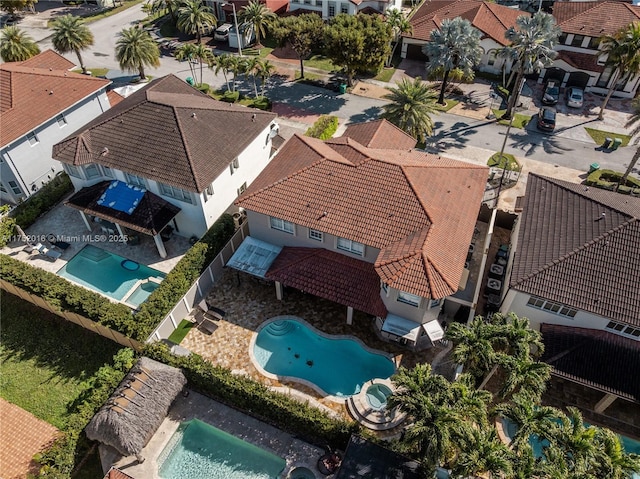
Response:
column 241, row 392
column 608, row 179
column 46, row 198
column 323, row 128
column 72, row 445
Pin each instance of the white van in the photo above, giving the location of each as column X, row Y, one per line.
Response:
column 222, row 32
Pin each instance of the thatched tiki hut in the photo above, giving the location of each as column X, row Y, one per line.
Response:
column 133, row 413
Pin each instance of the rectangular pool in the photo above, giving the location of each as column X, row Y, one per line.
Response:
column 112, row 275
column 200, row 451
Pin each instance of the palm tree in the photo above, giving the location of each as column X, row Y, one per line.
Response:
column 519, row 338
column 634, row 123
column 456, row 46
column 223, row 63
column 266, row 69
column 623, row 57
column 531, row 49
column 194, row 18
column 71, row 35
column 169, row 5
column 484, row 456
column 135, row 49
column 16, row 45
column 251, row 69
column 195, row 52
column 399, row 24
column 259, row 16
column 577, row 441
column 524, row 375
column 613, row 462
column 411, row 107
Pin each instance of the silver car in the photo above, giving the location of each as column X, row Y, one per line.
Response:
column 575, row 97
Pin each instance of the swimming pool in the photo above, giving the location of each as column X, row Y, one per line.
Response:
column 339, row 367
column 112, row 275
column 200, row 451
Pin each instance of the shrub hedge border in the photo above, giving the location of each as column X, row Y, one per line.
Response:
column 47, row 197
column 323, row 128
column 594, row 179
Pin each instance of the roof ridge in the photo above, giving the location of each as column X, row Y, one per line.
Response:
column 428, row 260
column 489, row 6
column 51, row 72
column 186, row 146
column 415, row 193
column 579, row 249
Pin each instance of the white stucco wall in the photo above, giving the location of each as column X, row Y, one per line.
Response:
column 32, row 165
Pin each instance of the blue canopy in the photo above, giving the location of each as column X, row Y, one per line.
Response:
column 122, row 197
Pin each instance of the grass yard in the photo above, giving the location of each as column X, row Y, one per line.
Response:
column 519, row 121
column 320, row 62
column 44, row 359
column 449, row 105
column 385, row 74
column 95, row 72
column 104, row 13
column 307, row 76
column 181, row 331
column 600, row 135
column 507, row 160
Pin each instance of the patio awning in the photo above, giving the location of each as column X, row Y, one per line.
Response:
column 364, row 458
column 254, row 256
column 330, row 275
column 149, row 215
column 401, row 327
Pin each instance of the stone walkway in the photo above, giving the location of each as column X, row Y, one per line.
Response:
column 23, row 435
column 249, row 301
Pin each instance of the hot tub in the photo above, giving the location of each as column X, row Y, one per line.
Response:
column 377, row 395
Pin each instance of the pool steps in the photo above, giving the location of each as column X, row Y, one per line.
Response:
column 94, row 254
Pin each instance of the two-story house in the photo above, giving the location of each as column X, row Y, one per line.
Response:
column 368, row 222
column 575, row 273
column 168, row 153
column 41, row 102
column 328, row 9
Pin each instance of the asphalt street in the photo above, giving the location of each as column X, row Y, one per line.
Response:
column 451, row 131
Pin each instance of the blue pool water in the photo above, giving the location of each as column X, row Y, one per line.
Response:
column 200, row 451
column 102, row 271
column 337, row 366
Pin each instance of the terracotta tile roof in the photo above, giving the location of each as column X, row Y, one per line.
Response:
column 30, row 95
column 491, row 19
column 330, row 275
column 579, row 246
column 182, row 137
column 415, row 207
column 601, row 18
column 595, row 358
column 379, row 134
column 582, row 61
column 117, row 474
column 114, row 98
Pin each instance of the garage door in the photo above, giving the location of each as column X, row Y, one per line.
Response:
column 414, row 52
column 554, row 74
column 579, row 79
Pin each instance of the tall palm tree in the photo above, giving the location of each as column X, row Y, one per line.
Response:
column 135, row 49
column 623, row 57
column 531, row 49
column 399, row 24
column 195, row 52
column 16, row 45
column 634, row 123
column 524, row 375
column 194, row 17
column 577, row 441
column 71, row 35
column 519, row 338
column 455, row 46
column 258, row 15
column 265, row 70
column 484, row 456
column 411, row 107
column 251, row 70
column 613, row 462
column 222, row 63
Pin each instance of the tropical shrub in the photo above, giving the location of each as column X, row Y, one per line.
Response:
column 47, row 197
column 323, row 128
column 608, row 179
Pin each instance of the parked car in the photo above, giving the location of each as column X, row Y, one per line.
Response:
column 222, row 32
column 547, row 118
column 575, row 97
column 551, row 93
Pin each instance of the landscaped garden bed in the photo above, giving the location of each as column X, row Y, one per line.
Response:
column 608, row 180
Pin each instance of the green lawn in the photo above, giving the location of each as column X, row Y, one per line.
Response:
column 449, row 105
column 307, row 76
column 44, row 359
column 385, row 74
column 600, row 135
column 519, row 120
column 507, row 160
column 104, row 13
column 181, row 331
column 320, row 62
column 95, row 72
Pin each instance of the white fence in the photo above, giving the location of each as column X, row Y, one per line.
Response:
column 200, row 288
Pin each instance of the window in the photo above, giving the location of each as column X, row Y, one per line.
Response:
column 242, row 188
column 332, row 9
column 72, row 171
column 319, row 3
column 385, row 288
column 408, row 298
column 307, row 2
column 175, row 192
column 344, row 8
column 577, row 40
column 624, row 329
column 552, row 307
column 92, row 171
column 562, row 39
column 135, row 180
column 62, row 121
column 33, row 139
column 14, row 187
column 106, row 171
column 351, row 246
column 233, row 166
column 282, row 225
column 491, row 58
column 435, row 303
column 208, row 192
column 615, row 326
column 315, row 235
column 594, row 43
column 2, row 188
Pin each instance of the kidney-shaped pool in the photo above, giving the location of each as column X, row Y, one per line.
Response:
column 338, row 366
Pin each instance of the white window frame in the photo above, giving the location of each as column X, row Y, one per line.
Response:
column 624, row 330
column 344, row 8
column 15, row 188
column 408, row 298
column 175, row 193
column 385, row 288
column 434, row 303
column 91, row 167
column 62, row 121
column 552, row 307
column 3, row 189
column 282, row 225
column 106, row 171
column 73, row 170
column 208, row 192
column 32, row 138
column 243, row 188
column 316, row 235
column 135, row 180
column 351, row 246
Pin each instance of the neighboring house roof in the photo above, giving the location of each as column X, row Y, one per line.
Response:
column 595, row 19
column 114, row 98
column 581, row 61
column 36, row 90
column 168, row 132
column 491, row 19
column 580, row 246
column 415, row 207
column 380, row 134
column 330, row 275
column 364, row 458
column 117, row 474
column 595, row 358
